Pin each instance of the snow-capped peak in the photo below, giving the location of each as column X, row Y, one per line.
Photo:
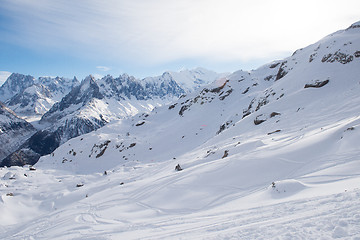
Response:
column 15, row 84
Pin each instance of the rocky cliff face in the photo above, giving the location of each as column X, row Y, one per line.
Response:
column 15, row 84
column 13, row 131
column 39, row 96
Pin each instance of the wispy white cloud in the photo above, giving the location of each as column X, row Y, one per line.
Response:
column 103, row 68
column 158, row 31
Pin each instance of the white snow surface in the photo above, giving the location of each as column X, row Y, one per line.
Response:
column 295, row 174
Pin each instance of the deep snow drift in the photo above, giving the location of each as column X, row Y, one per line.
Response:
column 267, row 154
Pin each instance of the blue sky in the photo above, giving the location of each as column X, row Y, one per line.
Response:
column 147, row 37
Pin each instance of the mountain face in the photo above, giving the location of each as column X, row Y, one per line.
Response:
column 40, row 96
column 196, row 79
column 15, row 84
column 13, row 131
column 126, row 87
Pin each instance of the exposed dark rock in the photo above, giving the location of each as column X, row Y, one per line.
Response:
column 227, row 93
column 273, row 114
column 281, row 73
column 183, row 109
column 178, row 168
column 259, row 119
column 224, row 126
column 312, row 57
column 262, row 102
column 140, row 123
column 276, row 131
column 246, row 90
column 226, row 153
column 338, row 57
column 101, row 148
column 247, row 112
column 274, row 65
column 268, row 78
column 317, row 84
column 172, row 106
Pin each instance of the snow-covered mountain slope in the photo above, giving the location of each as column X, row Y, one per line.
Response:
column 36, row 99
column 271, row 153
column 13, row 131
column 15, row 84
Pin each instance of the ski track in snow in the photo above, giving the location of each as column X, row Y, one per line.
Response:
column 123, row 214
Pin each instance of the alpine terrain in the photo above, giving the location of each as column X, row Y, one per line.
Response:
column 268, row 154
column 67, row 108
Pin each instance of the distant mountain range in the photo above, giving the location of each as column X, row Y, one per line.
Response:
column 67, row 108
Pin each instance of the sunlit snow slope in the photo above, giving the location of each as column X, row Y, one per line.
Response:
column 268, row 154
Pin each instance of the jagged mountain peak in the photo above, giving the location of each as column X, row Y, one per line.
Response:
column 15, row 83
column 38, row 96
column 89, row 83
column 89, row 78
column 79, row 96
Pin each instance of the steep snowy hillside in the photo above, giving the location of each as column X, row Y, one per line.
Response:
column 13, row 131
column 271, row 153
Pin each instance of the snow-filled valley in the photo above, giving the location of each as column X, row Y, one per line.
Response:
column 267, row 154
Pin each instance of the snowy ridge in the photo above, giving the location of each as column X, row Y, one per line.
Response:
column 272, row 153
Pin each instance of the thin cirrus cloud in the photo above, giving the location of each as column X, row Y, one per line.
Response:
column 103, row 68
column 151, row 32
